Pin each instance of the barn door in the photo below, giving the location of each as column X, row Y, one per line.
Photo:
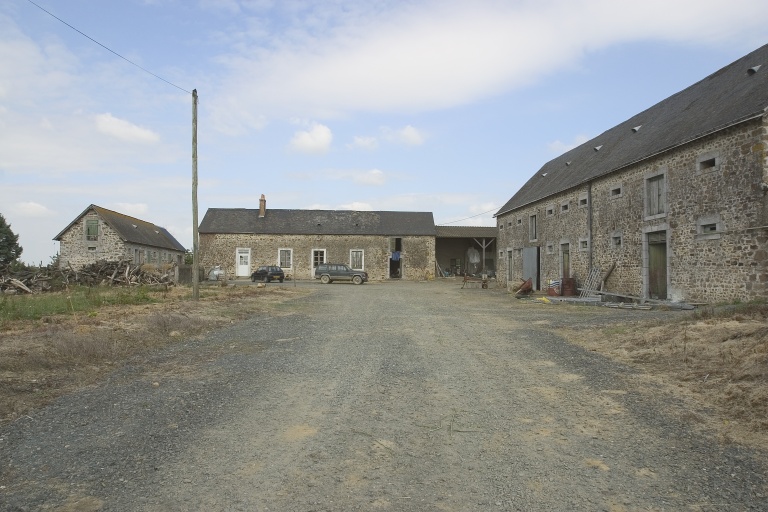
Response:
column 531, row 265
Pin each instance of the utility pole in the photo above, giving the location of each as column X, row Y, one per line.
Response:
column 195, row 241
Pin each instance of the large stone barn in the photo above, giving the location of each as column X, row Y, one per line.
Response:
column 99, row 234
column 670, row 204
column 386, row 244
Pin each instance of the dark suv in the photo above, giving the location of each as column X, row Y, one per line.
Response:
column 268, row 273
column 329, row 272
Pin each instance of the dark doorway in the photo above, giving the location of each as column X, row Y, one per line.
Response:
column 657, row 265
column 395, row 258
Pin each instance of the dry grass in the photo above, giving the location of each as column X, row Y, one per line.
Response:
column 717, row 360
column 55, row 354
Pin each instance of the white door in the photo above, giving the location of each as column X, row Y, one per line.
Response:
column 243, row 263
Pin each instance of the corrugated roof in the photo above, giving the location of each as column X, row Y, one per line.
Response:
column 727, row 97
column 466, row 232
column 131, row 230
column 317, row 222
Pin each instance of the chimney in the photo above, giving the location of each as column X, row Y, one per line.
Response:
column 262, row 206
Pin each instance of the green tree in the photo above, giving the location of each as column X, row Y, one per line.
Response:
column 10, row 250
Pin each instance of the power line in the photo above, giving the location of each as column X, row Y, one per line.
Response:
column 467, row 218
column 108, row 49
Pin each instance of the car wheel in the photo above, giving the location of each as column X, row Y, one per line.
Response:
column 253, row 279
column 266, row 279
column 325, row 279
column 357, row 280
column 281, row 279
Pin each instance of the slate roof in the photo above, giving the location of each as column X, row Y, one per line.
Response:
column 317, row 222
column 131, row 229
column 732, row 95
column 466, row 232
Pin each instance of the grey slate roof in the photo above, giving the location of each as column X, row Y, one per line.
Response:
column 727, row 97
column 317, row 222
column 131, row 229
column 466, row 232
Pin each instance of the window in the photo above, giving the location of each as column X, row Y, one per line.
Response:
column 708, row 162
column 533, row 233
column 709, row 227
column 509, row 223
column 656, row 195
column 285, row 258
column 565, row 207
column 616, row 241
column 616, row 192
column 92, row 230
column 519, row 222
column 356, row 259
column 550, row 248
column 550, row 210
column 318, row 257
column 583, row 200
column 583, row 244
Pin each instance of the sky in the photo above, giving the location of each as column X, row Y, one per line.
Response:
column 442, row 106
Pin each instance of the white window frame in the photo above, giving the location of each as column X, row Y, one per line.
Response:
column 290, row 255
column 362, row 259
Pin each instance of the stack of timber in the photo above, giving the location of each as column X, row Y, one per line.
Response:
column 104, row 273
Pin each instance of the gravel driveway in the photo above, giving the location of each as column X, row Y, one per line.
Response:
column 397, row 396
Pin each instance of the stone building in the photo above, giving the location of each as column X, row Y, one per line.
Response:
column 385, row 244
column 670, row 204
column 99, row 234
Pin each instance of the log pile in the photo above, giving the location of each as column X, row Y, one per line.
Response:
column 104, row 273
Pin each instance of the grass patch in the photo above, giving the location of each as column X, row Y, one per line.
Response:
column 75, row 300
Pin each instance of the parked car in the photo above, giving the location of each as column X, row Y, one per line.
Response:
column 329, row 272
column 268, row 273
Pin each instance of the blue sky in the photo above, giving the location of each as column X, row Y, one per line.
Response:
column 443, row 106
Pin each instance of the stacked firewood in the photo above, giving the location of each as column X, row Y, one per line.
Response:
column 107, row 273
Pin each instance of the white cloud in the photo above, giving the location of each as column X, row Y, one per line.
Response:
column 407, row 135
column 132, row 209
column 31, row 209
column 124, row 130
column 369, row 143
column 315, row 140
column 372, row 177
column 558, row 147
column 432, row 54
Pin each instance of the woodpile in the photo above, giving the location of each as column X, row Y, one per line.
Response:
column 104, row 273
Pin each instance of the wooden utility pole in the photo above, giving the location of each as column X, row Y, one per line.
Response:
column 195, row 241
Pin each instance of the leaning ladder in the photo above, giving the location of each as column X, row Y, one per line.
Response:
column 591, row 284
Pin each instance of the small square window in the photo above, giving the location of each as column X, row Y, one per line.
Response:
column 550, row 210
column 709, row 228
column 707, row 164
column 519, row 222
column 509, row 223
column 550, row 248
column 583, row 245
column 583, row 200
column 616, row 241
column 564, row 207
column 616, row 192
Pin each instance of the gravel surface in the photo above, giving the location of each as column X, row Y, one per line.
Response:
column 398, row 396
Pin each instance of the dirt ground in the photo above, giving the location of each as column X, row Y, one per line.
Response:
column 396, row 396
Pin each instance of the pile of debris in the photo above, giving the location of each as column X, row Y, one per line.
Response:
column 107, row 273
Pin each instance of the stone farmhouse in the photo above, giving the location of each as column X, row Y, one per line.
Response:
column 99, row 234
column 386, row 244
column 670, row 204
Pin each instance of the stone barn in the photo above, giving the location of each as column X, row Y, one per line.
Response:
column 386, row 244
column 670, row 204
column 99, row 234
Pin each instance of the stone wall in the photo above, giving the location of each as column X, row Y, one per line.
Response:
column 418, row 254
column 715, row 222
column 76, row 251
